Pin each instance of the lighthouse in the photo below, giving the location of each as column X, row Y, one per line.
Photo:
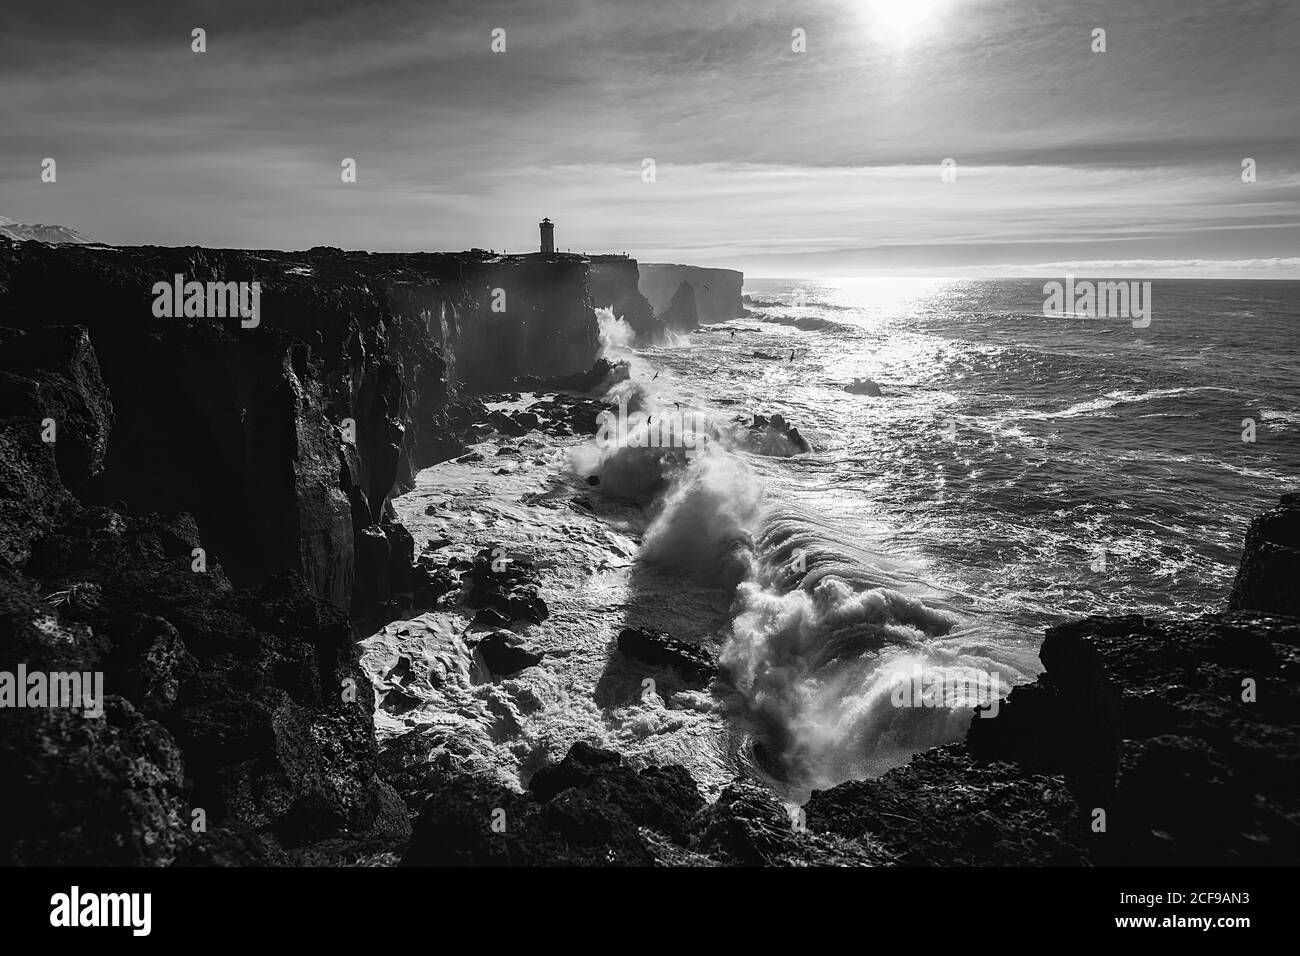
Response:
column 548, row 235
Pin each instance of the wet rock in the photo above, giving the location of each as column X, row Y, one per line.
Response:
column 52, row 373
column 863, row 386
column 589, row 810
column 580, row 765
column 1268, row 578
column 507, row 424
column 662, row 650
column 681, row 314
column 568, row 415
column 507, row 653
column 505, row 584
column 746, row 825
column 491, row 617
column 775, row 436
column 946, row 808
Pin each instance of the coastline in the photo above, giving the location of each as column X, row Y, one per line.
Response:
column 228, row 691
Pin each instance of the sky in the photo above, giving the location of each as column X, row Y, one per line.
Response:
column 825, row 162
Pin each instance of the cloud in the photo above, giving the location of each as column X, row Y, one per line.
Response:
column 766, row 159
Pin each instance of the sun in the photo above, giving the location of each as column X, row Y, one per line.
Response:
column 898, row 21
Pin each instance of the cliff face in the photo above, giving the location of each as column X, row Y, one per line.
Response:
column 682, row 314
column 717, row 291
column 188, row 506
column 286, row 440
column 1269, row 576
column 614, row 286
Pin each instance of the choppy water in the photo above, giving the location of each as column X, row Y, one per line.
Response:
column 1014, row 471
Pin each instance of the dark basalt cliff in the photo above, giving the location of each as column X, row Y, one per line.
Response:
column 248, row 430
column 214, row 500
column 717, row 291
column 614, row 286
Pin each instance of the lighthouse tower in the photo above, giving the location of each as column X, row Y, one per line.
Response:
column 548, row 235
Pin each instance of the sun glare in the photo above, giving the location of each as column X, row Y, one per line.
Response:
column 898, row 21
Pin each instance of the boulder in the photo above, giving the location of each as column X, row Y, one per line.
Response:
column 662, row 650
column 1268, row 578
column 505, row 652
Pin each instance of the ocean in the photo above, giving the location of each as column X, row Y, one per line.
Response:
column 977, row 471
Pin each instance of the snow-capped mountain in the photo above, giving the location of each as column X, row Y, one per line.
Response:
column 19, row 231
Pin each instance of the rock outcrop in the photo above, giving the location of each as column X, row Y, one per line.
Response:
column 189, row 507
column 681, row 314
column 614, row 286
column 286, row 440
column 1144, row 742
column 592, row 809
column 717, row 291
column 1269, row 576
column 662, row 650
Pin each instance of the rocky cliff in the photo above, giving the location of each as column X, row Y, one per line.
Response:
column 614, row 286
column 284, row 441
column 190, row 504
column 717, row 291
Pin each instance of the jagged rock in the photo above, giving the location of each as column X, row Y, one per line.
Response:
column 245, row 688
column 717, row 291
column 775, row 436
column 507, row 424
column 456, row 828
column 681, row 314
column 746, row 825
column 663, row 650
column 507, row 653
column 50, row 386
column 245, row 428
column 590, row 810
column 1131, row 709
column 602, row 371
column 946, row 808
column 506, row 584
column 613, row 281
column 863, row 386
column 1268, row 578
column 52, row 372
column 580, row 765
column 491, row 617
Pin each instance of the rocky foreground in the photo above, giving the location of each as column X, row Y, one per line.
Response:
column 1144, row 742
column 213, row 515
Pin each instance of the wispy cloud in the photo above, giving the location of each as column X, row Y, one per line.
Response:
column 823, row 162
